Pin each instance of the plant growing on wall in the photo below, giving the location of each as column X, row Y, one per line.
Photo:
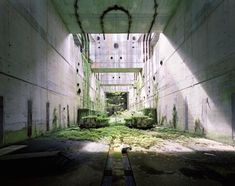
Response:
column 86, row 83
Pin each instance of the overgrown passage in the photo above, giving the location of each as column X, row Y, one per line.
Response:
column 117, row 92
column 177, row 153
column 120, row 135
column 163, row 154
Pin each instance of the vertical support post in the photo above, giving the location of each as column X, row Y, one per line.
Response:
column 186, row 114
column 233, row 115
column 127, row 100
column 78, row 116
column 1, row 120
column 30, row 118
column 204, row 113
column 68, row 119
column 47, row 116
column 60, row 123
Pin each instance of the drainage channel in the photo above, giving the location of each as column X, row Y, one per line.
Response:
column 118, row 169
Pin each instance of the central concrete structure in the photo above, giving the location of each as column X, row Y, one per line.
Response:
column 58, row 58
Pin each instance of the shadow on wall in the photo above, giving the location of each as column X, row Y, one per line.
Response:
column 197, row 74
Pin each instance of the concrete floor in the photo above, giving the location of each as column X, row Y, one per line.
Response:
column 83, row 165
column 197, row 161
column 183, row 168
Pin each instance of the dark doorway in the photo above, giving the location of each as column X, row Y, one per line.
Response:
column 233, row 115
column 116, row 101
column 186, row 114
column 68, row 119
column 1, row 120
column 30, row 118
column 48, row 116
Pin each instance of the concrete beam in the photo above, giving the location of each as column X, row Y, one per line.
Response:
column 113, row 84
column 117, row 67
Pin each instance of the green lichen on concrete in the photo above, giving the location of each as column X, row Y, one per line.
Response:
column 88, row 103
column 86, row 83
column 94, row 121
column 228, row 139
column 15, row 136
column 174, row 134
column 99, row 103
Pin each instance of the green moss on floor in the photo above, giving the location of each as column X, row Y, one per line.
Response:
column 171, row 133
column 120, row 134
column 220, row 137
column 15, row 136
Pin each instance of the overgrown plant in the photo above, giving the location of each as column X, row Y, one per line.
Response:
column 94, row 121
column 138, row 120
column 116, row 134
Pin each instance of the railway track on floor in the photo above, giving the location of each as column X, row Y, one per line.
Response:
column 118, row 171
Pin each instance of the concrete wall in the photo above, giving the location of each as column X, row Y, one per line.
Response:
column 39, row 62
column 104, row 51
column 191, row 69
column 193, row 63
column 127, row 52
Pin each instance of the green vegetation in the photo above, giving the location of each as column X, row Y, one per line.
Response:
column 86, row 82
column 15, row 136
column 88, row 103
column 138, row 120
column 116, row 102
column 173, row 134
column 118, row 134
column 94, row 121
column 152, row 113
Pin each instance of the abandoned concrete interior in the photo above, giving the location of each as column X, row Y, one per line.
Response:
column 59, row 59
